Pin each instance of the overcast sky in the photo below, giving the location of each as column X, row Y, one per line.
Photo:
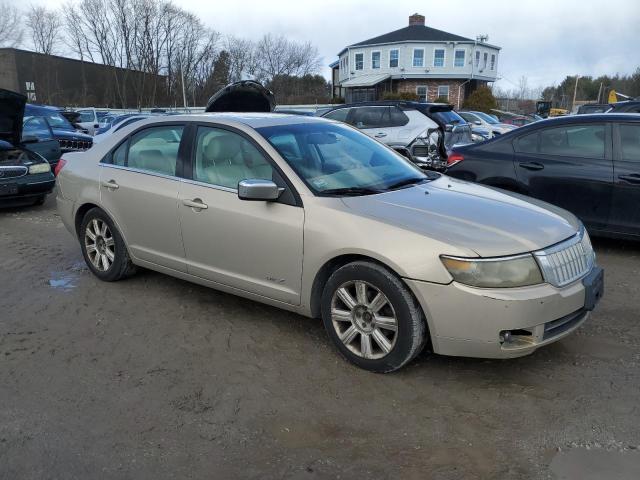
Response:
column 545, row 40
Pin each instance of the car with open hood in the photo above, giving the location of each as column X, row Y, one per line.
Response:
column 313, row 216
column 24, row 174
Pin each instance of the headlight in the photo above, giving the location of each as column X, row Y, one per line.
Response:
column 476, row 137
column 40, row 168
column 505, row 272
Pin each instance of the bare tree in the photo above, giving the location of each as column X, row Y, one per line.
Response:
column 276, row 56
column 11, row 31
column 241, row 58
column 45, row 28
column 523, row 88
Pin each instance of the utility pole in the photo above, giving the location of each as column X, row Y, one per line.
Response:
column 575, row 91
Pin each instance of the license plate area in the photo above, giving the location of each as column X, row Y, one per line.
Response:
column 593, row 288
column 8, row 189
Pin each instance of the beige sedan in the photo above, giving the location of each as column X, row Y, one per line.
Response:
column 312, row 216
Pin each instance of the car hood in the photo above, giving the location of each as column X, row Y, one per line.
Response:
column 243, row 96
column 11, row 114
column 61, row 134
column 487, row 221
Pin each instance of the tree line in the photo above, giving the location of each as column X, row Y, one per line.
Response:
column 181, row 60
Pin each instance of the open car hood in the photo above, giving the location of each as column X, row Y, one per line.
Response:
column 243, row 96
column 11, row 114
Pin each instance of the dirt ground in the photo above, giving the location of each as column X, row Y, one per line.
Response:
column 157, row 378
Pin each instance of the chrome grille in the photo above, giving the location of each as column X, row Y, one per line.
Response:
column 568, row 261
column 13, row 172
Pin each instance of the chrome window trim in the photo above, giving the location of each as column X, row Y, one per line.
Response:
column 170, row 177
column 487, row 259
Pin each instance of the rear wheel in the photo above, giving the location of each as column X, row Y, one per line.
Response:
column 372, row 318
column 103, row 247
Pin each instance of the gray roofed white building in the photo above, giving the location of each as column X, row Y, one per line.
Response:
column 424, row 61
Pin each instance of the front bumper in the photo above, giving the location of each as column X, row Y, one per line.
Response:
column 501, row 323
column 27, row 186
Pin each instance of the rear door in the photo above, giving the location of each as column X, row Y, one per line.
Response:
column 625, row 212
column 569, row 166
column 139, row 190
column 375, row 121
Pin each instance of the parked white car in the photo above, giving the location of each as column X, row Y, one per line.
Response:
column 90, row 119
column 116, row 125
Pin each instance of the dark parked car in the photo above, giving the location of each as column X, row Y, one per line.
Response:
column 69, row 138
column 38, row 136
column 629, row 106
column 593, row 108
column 587, row 164
column 24, row 174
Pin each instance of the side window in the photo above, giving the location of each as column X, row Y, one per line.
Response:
column 527, row 143
column 340, row 114
column 370, row 117
column 586, row 141
column 630, row 142
column 119, row 156
column 86, row 116
column 224, row 158
column 398, row 118
column 155, row 149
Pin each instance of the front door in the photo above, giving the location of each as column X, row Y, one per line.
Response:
column 569, row 166
column 253, row 246
column 139, row 190
column 625, row 214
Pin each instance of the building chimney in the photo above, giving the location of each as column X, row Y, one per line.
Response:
column 416, row 19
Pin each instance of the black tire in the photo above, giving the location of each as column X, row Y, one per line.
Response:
column 412, row 332
column 121, row 266
column 40, row 200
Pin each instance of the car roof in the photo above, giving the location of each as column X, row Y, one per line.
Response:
column 253, row 120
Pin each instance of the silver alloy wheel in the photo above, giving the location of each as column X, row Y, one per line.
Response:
column 100, row 245
column 364, row 319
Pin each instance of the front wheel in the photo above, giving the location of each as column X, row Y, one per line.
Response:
column 372, row 318
column 103, row 247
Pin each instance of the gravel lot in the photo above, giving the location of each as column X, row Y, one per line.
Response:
column 155, row 378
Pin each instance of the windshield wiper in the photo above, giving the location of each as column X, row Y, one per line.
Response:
column 352, row 191
column 406, row 182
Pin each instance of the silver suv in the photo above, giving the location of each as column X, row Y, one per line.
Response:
column 422, row 132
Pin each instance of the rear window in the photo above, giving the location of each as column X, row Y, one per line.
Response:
column 448, row 117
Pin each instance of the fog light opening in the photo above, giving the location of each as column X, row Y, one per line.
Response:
column 506, row 336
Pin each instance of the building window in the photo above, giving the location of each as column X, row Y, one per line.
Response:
column 438, row 57
column 477, row 59
column 421, row 92
column 459, row 59
column 375, row 59
column 359, row 61
column 393, row 58
column 486, row 56
column 418, row 57
column 493, row 62
column 443, row 91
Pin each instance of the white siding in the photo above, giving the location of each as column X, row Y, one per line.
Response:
column 405, row 60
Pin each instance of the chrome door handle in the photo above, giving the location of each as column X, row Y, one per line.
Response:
column 380, row 135
column 111, row 185
column 196, row 204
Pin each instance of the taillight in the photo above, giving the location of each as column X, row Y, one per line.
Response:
column 453, row 158
column 59, row 166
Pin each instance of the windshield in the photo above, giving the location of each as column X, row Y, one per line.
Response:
column 334, row 159
column 56, row 120
column 487, row 118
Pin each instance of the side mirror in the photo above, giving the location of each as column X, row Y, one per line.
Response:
column 477, row 122
column 258, row 190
